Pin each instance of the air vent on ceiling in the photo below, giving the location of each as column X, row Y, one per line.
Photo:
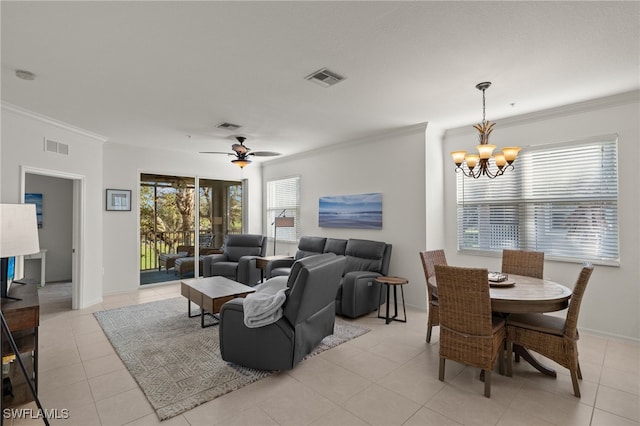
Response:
column 228, row 126
column 325, row 77
column 57, row 147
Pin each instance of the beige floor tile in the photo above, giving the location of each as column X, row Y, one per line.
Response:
column 85, row 324
column 60, row 377
column 65, row 356
column 106, row 364
column 363, row 363
column 85, row 415
column 514, row 417
column 427, row 417
column 332, row 381
column 592, row 348
column 251, row 416
column 95, row 350
column 412, row 381
column 552, row 408
column 603, row 418
column 620, row 403
column 152, row 420
column 471, row 408
column 503, row 388
column 91, row 338
column 623, row 355
column 227, row 405
column 123, row 408
column 377, row 405
column 625, row 381
column 339, row 416
column 111, row 384
column 69, row 397
column 295, row 404
column 561, row 385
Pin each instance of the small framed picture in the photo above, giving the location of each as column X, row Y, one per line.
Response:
column 119, row 200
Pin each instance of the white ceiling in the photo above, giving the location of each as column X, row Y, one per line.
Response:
column 151, row 73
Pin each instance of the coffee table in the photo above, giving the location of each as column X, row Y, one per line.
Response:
column 210, row 294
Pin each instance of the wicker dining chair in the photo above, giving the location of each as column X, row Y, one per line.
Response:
column 469, row 333
column 520, row 262
column 429, row 260
column 553, row 337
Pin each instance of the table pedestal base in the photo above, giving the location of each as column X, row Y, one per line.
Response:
column 526, row 355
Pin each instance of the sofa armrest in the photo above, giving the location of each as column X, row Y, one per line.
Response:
column 277, row 263
column 209, row 260
column 247, row 272
column 360, row 293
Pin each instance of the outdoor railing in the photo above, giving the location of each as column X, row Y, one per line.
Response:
column 152, row 246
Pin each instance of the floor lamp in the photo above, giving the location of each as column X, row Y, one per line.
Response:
column 18, row 236
column 281, row 222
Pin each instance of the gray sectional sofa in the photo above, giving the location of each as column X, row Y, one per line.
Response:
column 358, row 293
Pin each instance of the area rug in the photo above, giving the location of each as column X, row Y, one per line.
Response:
column 177, row 363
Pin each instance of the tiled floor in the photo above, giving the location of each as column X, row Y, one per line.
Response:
column 386, row 377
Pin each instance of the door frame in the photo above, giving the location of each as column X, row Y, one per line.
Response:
column 78, row 224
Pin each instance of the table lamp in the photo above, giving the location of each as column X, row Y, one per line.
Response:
column 18, row 236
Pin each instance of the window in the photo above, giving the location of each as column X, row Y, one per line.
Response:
column 283, row 199
column 561, row 199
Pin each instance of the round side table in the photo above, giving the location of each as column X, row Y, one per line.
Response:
column 395, row 282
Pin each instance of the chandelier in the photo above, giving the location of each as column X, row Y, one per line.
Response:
column 502, row 160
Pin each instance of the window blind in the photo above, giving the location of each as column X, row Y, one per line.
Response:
column 284, row 195
column 561, row 199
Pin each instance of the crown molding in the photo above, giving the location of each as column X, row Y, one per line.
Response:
column 398, row 131
column 546, row 114
column 52, row 121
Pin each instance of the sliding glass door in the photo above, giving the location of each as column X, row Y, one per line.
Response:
column 167, row 220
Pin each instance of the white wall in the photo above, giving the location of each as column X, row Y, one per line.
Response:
column 392, row 164
column 55, row 234
column 122, row 167
column 611, row 303
column 23, row 136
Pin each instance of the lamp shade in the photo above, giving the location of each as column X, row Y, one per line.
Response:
column 284, row 222
column 18, row 230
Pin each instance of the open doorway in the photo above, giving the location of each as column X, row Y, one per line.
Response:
column 168, row 226
column 56, row 267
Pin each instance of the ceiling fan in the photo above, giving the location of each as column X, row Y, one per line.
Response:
column 242, row 153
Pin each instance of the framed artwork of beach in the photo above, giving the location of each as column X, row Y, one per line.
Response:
column 362, row 211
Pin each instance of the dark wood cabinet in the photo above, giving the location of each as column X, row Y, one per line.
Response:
column 23, row 319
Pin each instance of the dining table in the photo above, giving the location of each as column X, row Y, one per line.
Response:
column 521, row 294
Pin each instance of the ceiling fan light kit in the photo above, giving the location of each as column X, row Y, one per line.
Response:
column 503, row 160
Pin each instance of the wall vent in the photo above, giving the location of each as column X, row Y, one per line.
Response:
column 325, row 77
column 228, row 126
column 57, row 147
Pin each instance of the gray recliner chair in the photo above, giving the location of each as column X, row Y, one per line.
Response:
column 308, row 317
column 307, row 246
column 238, row 260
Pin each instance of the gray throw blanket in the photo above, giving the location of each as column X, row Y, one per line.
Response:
column 264, row 307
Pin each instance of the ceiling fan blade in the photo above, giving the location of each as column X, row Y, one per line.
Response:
column 265, row 153
column 216, row 152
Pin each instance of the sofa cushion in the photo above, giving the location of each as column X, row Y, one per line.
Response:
column 364, row 255
column 239, row 245
column 308, row 246
column 335, row 245
column 235, row 253
column 225, row 269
